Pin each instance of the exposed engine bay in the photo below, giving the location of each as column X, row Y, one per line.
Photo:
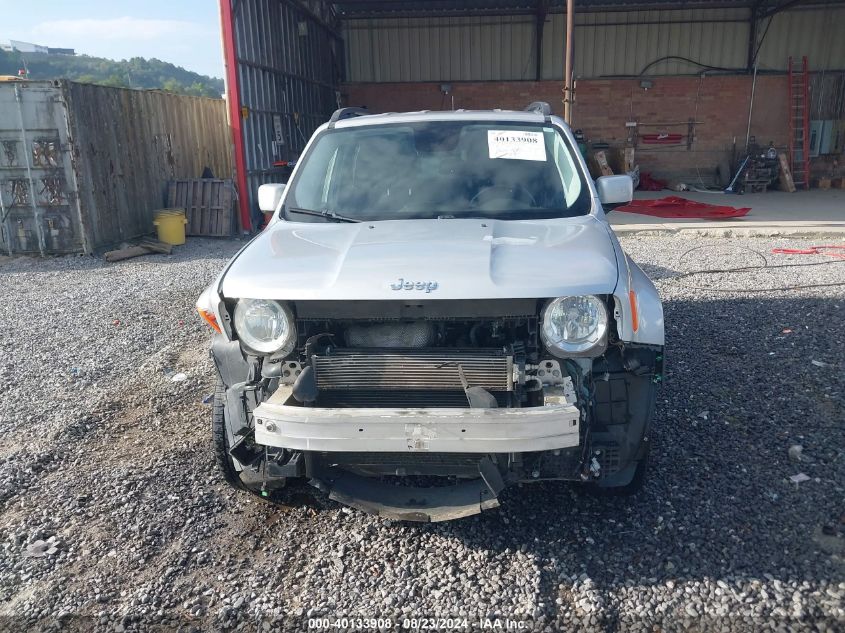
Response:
column 428, row 356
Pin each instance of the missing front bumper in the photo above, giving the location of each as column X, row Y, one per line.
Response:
column 281, row 424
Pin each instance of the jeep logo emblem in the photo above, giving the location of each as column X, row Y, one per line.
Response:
column 404, row 284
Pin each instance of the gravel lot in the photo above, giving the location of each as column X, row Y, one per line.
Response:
column 112, row 517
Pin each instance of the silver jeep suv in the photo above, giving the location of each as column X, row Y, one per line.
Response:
column 437, row 310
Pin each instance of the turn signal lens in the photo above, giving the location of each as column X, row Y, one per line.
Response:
column 635, row 315
column 209, row 318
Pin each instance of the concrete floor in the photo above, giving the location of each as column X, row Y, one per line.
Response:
column 815, row 211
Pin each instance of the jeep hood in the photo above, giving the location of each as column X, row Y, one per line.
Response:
column 425, row 259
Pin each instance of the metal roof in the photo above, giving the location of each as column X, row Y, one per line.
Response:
column 350, row 9
column 397, row 8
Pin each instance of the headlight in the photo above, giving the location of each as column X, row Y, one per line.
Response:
column 265, row 326
column 574, row 325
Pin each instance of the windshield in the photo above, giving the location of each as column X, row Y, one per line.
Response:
column 438, row 169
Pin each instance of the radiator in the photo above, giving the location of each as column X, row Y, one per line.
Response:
column 430, row 369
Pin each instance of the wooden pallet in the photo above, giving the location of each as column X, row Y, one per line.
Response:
column 785, row 174
column 601, row 164
column 207, row 203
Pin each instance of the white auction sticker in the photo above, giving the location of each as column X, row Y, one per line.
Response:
column 516, row 145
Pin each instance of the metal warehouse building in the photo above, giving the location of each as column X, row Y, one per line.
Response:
column 658, row 68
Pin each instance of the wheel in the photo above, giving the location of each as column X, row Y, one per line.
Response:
column 220, row 444
column 634, row 484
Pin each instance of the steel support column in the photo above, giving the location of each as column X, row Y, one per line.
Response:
column 540, row 26
column 567, row 66
column 233, row 100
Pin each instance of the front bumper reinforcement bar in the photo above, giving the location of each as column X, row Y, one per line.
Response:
column 447, row 430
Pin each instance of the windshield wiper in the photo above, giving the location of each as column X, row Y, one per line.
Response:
column 325, row 213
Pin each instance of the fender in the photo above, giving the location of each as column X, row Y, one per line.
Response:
column 638, row 310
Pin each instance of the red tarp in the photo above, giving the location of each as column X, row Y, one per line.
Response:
column 677, row 207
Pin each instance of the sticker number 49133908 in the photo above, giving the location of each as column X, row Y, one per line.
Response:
column 516, row 145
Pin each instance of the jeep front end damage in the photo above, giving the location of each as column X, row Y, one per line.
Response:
column 372, row 394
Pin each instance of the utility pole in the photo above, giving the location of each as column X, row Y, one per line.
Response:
column 568, row 97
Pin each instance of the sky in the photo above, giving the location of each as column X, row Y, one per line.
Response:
column 183, row 32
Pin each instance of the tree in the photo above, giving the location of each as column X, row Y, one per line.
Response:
column 171, row 85
column 115, row 81
column 144, row 73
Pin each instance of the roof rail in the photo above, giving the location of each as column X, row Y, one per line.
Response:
column 540, row 107
column 346, row 113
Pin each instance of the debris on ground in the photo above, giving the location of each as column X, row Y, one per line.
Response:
column 144, row 247
column 40, row 549
column 795, row 452
column 799, row 478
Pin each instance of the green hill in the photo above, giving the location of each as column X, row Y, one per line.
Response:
column 133, row 73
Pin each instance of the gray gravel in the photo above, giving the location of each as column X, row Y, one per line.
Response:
column 112, row 517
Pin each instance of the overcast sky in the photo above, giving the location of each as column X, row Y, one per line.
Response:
column 183, row 32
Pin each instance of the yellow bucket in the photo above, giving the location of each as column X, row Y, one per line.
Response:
column 170, row 224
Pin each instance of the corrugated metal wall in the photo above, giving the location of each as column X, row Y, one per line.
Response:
column 289, row 67
column 624, row 43
column 606, row 44
column 85, row 166
column 130, row 143
column 827, row 95
column 39, row 210
column 432, row 49
column 817, row 33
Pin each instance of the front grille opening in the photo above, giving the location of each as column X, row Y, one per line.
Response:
column 410, row 378
column 400, row 399
column 408, row 369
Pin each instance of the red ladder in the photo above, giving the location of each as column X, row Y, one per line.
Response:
column 799, row 122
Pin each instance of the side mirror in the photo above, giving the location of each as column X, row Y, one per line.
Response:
column 614, row 191
column 269, row 197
